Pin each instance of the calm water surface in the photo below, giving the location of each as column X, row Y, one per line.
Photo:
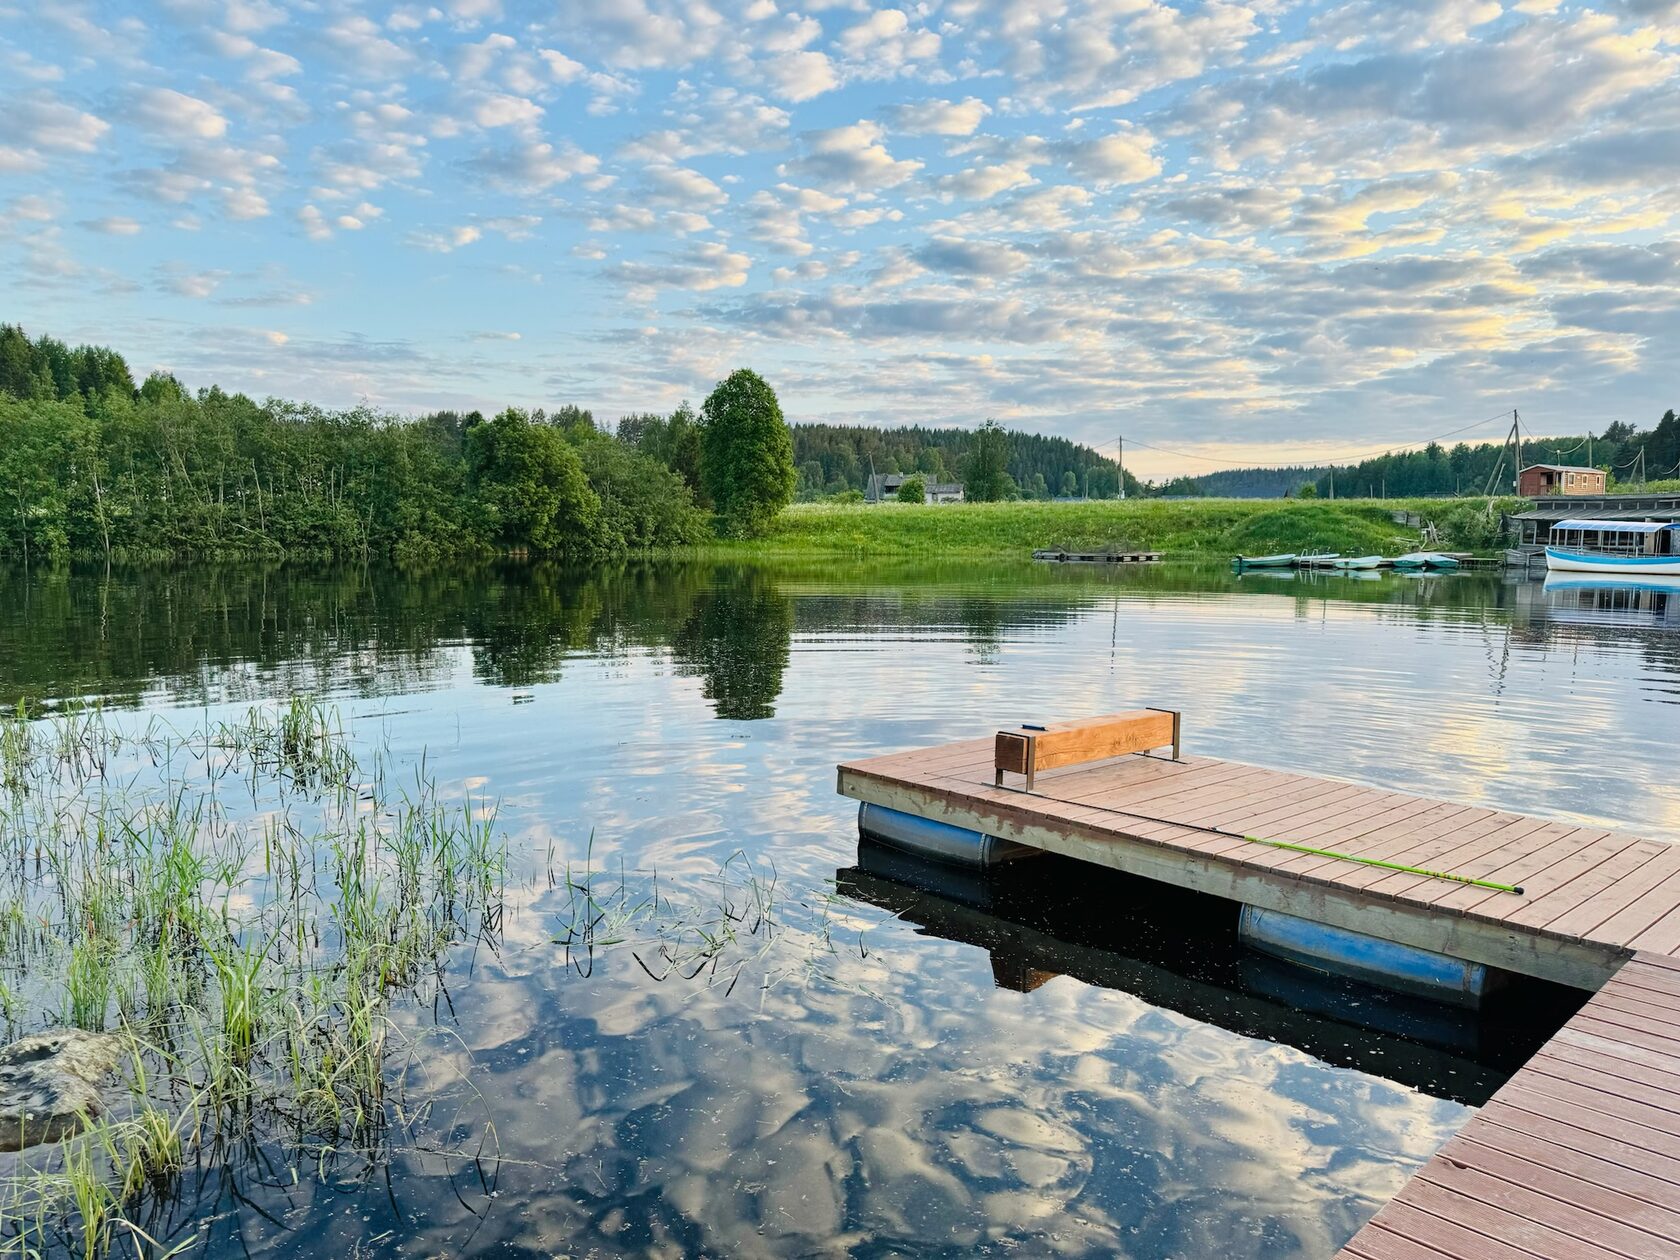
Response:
column 900, row 1062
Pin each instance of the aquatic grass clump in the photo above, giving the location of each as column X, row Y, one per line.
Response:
column 249, row 952
column 715, row 931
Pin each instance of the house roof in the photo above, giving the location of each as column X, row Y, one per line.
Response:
column 1588, row 518
column 1615, row 527
column 1562, row 468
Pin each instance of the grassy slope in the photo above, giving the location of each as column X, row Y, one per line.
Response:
column 1207, row 527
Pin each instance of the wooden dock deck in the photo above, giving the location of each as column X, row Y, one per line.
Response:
column 1576, row 1157
column 1591, row 897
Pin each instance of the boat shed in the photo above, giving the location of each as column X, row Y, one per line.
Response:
column 1535, row 527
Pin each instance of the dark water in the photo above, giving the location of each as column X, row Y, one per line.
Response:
column 903, row 1062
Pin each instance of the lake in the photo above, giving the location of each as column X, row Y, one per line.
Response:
column 775, row 1042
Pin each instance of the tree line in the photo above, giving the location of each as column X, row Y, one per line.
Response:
column 1630, row 456
column 93, row 464
column 832, row 459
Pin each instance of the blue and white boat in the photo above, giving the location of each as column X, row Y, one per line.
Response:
column 1645, row 548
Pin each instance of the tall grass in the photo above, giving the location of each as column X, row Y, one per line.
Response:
column 1208, row 527
column 249, row 949
column 246, row 956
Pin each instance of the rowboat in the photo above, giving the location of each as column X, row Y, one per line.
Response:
column 1425, row 560
column 1356, row 562
column 1313, row 560
column 1266, row 562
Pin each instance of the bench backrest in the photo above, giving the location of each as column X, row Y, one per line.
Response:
column 1029, row 749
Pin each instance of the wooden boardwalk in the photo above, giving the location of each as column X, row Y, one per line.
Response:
column 1577, row 1157
column 1591, row 897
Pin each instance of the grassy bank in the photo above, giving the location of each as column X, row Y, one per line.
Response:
column 1181, row 528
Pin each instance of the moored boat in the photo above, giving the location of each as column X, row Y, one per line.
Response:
column 1571, row 561
column 1644, row 548
column 1356, row 562
column 1266, row 562
column 1425, row 560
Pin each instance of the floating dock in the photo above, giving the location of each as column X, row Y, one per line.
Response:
column 1579, row 1154
column 1058, row 556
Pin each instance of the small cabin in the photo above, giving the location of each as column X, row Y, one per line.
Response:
column 884, row 487
column 1540, row 480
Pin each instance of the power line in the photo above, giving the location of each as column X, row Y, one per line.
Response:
column 1317, row 460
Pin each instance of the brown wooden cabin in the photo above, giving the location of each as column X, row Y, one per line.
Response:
column 1539, row 480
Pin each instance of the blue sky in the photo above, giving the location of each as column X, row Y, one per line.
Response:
column 1237, row 231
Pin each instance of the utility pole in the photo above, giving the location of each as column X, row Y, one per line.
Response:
column 1120, row 463
column 1516, row 439
column 1332, row 483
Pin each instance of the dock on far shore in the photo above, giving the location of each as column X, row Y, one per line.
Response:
column 1578, row 1155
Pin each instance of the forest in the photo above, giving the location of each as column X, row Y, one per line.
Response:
column 832, row 459
column 93, row 465
column 1633, row 457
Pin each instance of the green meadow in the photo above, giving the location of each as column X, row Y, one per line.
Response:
column 1180, row 528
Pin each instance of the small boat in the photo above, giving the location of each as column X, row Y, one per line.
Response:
column 1316, row 559
column 1266, row 562
column 1356, row 562
column 1425, row 560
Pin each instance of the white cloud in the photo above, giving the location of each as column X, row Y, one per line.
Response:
column 702, row 267
column 501, row 110
column 176, row 118
column 44, row 122
column 801, row 76
column 183, row 281
column 447, row 241
column 852, row 158
column 939, row 118
column 885, row 41
column 112, row 225
column 1123, row 157
column 533, row 166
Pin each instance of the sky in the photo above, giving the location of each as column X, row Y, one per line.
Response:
column 1230, row 232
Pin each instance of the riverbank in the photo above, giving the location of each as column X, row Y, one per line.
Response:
column 1180, row 528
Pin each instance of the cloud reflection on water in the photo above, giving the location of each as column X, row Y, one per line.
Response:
column 895, row 1101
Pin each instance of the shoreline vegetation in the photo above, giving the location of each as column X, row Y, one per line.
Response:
column 94, row 467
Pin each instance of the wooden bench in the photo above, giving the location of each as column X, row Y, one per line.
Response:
column 1031, row 748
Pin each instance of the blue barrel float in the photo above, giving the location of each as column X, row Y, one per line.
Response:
column 1369, row 959
column 938, row 840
